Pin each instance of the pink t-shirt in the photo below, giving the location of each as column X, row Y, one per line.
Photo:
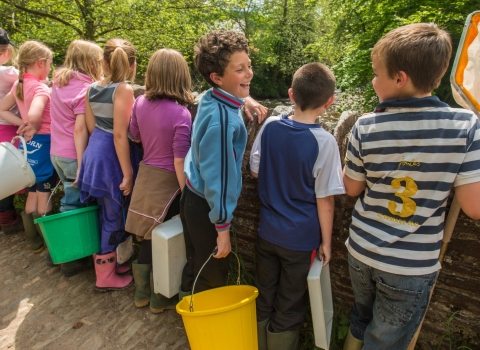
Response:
column 66, row 102
column 164, row 129
column 32, row 87
column 8, row 77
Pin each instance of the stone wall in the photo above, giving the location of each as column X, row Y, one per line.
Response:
column 453, row 317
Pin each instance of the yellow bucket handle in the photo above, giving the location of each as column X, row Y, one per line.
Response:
column 205, row 263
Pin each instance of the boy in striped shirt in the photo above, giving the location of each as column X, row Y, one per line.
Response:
column 403, row 160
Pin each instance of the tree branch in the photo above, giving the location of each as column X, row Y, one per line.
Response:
column 43, row 14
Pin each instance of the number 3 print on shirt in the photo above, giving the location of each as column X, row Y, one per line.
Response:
column 409, row 206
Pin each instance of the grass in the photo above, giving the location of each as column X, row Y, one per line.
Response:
column 454, row 337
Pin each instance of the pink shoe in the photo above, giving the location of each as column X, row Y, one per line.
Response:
column 107, row 279
column 122, row 270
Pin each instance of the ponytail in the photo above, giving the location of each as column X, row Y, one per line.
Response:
column 19, row 91
column 119, row 56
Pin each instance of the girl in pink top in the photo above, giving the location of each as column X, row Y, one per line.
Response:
column 10, row 222
column 162, row 122
column 82, row 66
column 32, row 97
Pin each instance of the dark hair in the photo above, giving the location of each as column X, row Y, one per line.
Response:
column 421, row 50
column 313, row 84
column 213, row 50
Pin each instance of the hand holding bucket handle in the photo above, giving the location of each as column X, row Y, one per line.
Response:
column 24, row 144
column 205, row 263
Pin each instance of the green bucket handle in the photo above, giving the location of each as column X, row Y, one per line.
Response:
column 205, row 263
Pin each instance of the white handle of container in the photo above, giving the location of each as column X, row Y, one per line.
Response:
column 24, row 144
column 205, row 263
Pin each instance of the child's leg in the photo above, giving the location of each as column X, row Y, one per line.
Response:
column 31, row 203
column 200, row 240
column 110, row 217
column 44, row 191
column 388, row 307
column 67, row 171
column 291, row 299
column 267, row 274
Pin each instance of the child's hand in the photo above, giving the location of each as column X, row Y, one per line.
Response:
column 126, row 185
column 29, row 132
column 21, row 129
column 254, row 109
column 325, row 254
column 74, row 183
column 223, row 244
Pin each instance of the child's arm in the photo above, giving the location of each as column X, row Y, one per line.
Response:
column 353, row 187
column 89, row 117
column 467, row 198
column 179, row 163
column 122, row 108
column 7, row 102
column 325, row 208
column 34, row 117
column 80, row 138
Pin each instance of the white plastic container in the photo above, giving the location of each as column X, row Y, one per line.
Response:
column 321, row 303
column 15, row 172
column 169, row 257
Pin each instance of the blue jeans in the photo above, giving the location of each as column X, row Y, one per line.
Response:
column 67, row 171
column 388, row 308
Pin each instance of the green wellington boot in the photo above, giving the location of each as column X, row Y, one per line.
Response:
column 262, row 334
column 287, row 340
column 159, row 303
column 182, row 294
column 352, row 343
column 141, row 277
column 36, row 241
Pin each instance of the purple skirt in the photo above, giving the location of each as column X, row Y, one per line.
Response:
column 98, row 181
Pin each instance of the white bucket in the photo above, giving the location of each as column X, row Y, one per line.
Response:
column 15, row 172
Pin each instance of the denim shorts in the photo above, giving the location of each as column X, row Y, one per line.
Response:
column 66, row 169
column 388, row 308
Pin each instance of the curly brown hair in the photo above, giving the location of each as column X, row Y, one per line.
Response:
column 213, row 50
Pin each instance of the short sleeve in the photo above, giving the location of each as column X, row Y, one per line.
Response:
column 181, row 138
column 255, row 153
column 327, row 170
column 470, row 169
column 354, row 167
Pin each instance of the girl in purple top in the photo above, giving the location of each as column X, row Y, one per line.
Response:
column 69, row 134
column 162, row 122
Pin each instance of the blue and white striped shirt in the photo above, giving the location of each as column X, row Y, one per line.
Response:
column 410, row 152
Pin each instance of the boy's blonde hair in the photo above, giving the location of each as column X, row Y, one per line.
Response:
column 168, row 76
column 29, row 53
column 82, row 57
column 312, row 85
column 213, row 50
column 11, row 51
column 421, row 50
column 119, row 56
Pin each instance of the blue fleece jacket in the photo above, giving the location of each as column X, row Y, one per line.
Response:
column 213, row 163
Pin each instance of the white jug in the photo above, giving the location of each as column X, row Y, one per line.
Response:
column 15, row 172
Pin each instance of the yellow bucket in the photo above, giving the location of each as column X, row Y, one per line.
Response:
column 223, row 318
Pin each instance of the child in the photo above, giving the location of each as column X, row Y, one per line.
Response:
column 298, row 166
column 161, row 121
column 213, row 163
column 32, row 97
column 106, row 173
column 10, row 222
column 83, row 65
column 403, row 160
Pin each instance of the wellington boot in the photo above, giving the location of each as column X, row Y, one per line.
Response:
column 352, row 343
column 262, row 334
column 71, row 268
column 36, row 215
column 123, row 270
column 141, row 276
column 10, row 222
column 287, row 340
column 107, row 279
column 182, row 294
column 36, row 241
column 159, row 303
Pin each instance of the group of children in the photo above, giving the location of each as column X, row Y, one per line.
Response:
column 402, row 160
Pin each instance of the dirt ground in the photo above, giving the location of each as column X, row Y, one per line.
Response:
column 42, row 309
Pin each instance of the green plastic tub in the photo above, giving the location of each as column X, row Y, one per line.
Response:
column 71, row 235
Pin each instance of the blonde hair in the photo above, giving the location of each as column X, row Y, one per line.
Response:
column 83, row 57
column 11, row 51
column 119, row 56
column 168, row 76
column 29, row 53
